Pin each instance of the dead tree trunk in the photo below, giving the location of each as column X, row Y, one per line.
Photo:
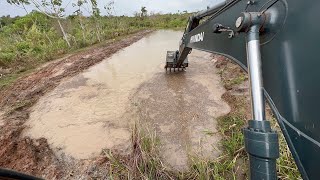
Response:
column 83, row 29
column 65, row 37
column 98, row 32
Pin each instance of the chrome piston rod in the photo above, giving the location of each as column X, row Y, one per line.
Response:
column 255, row 74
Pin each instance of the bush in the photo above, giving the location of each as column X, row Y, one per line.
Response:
column 6, row 57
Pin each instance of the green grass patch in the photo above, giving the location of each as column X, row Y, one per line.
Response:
column 286, row 166
column 144, row 162
column 231, row 125
column 238, row 80
column 8, row 79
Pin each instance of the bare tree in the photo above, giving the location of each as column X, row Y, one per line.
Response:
column 58, row 11
column 96, row 15
column 24, row 3
column 19, row 3
column 110, row 8
column 79, row 14
column 51, row 8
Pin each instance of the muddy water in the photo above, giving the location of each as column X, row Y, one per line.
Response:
column 96, row 109
column 182, row 108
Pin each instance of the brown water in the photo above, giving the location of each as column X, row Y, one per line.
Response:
column 95, row 110
column 182, row 109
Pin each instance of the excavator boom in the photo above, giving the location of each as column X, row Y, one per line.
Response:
column 277, row 43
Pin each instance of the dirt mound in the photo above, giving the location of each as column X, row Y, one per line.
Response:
column 27, row 155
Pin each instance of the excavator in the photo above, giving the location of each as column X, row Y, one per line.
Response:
column 277, row 43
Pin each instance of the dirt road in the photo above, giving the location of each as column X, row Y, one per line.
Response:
column 97, row 108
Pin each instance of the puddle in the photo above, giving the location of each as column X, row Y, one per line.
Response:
column 182, row 108
column 95, row 110
column 91, row 111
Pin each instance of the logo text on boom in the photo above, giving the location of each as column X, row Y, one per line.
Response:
column 197, row 38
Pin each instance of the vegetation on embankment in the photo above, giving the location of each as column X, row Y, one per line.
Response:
column 235, row 81
column 26, row 42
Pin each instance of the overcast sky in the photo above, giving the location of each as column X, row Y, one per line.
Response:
column 124, row 7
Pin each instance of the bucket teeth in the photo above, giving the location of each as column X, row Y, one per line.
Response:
column 171, row 62
column 174, row 69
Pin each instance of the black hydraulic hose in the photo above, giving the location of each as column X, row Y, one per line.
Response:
column 14, row 175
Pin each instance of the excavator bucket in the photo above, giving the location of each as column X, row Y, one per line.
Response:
column 171, row 61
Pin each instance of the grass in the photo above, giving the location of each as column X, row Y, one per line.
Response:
column 287, row 169
column 31, row 40
column 236, row 81
column 230, row 164
column 8, row 79
column 227, row 166
column 36, row 37
column 146, row 157
column 286, row 166
column 144, row 162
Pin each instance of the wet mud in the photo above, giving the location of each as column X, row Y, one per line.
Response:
column 182, row 107
column 92, row 110
column 34, row 156
column 96, row 109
